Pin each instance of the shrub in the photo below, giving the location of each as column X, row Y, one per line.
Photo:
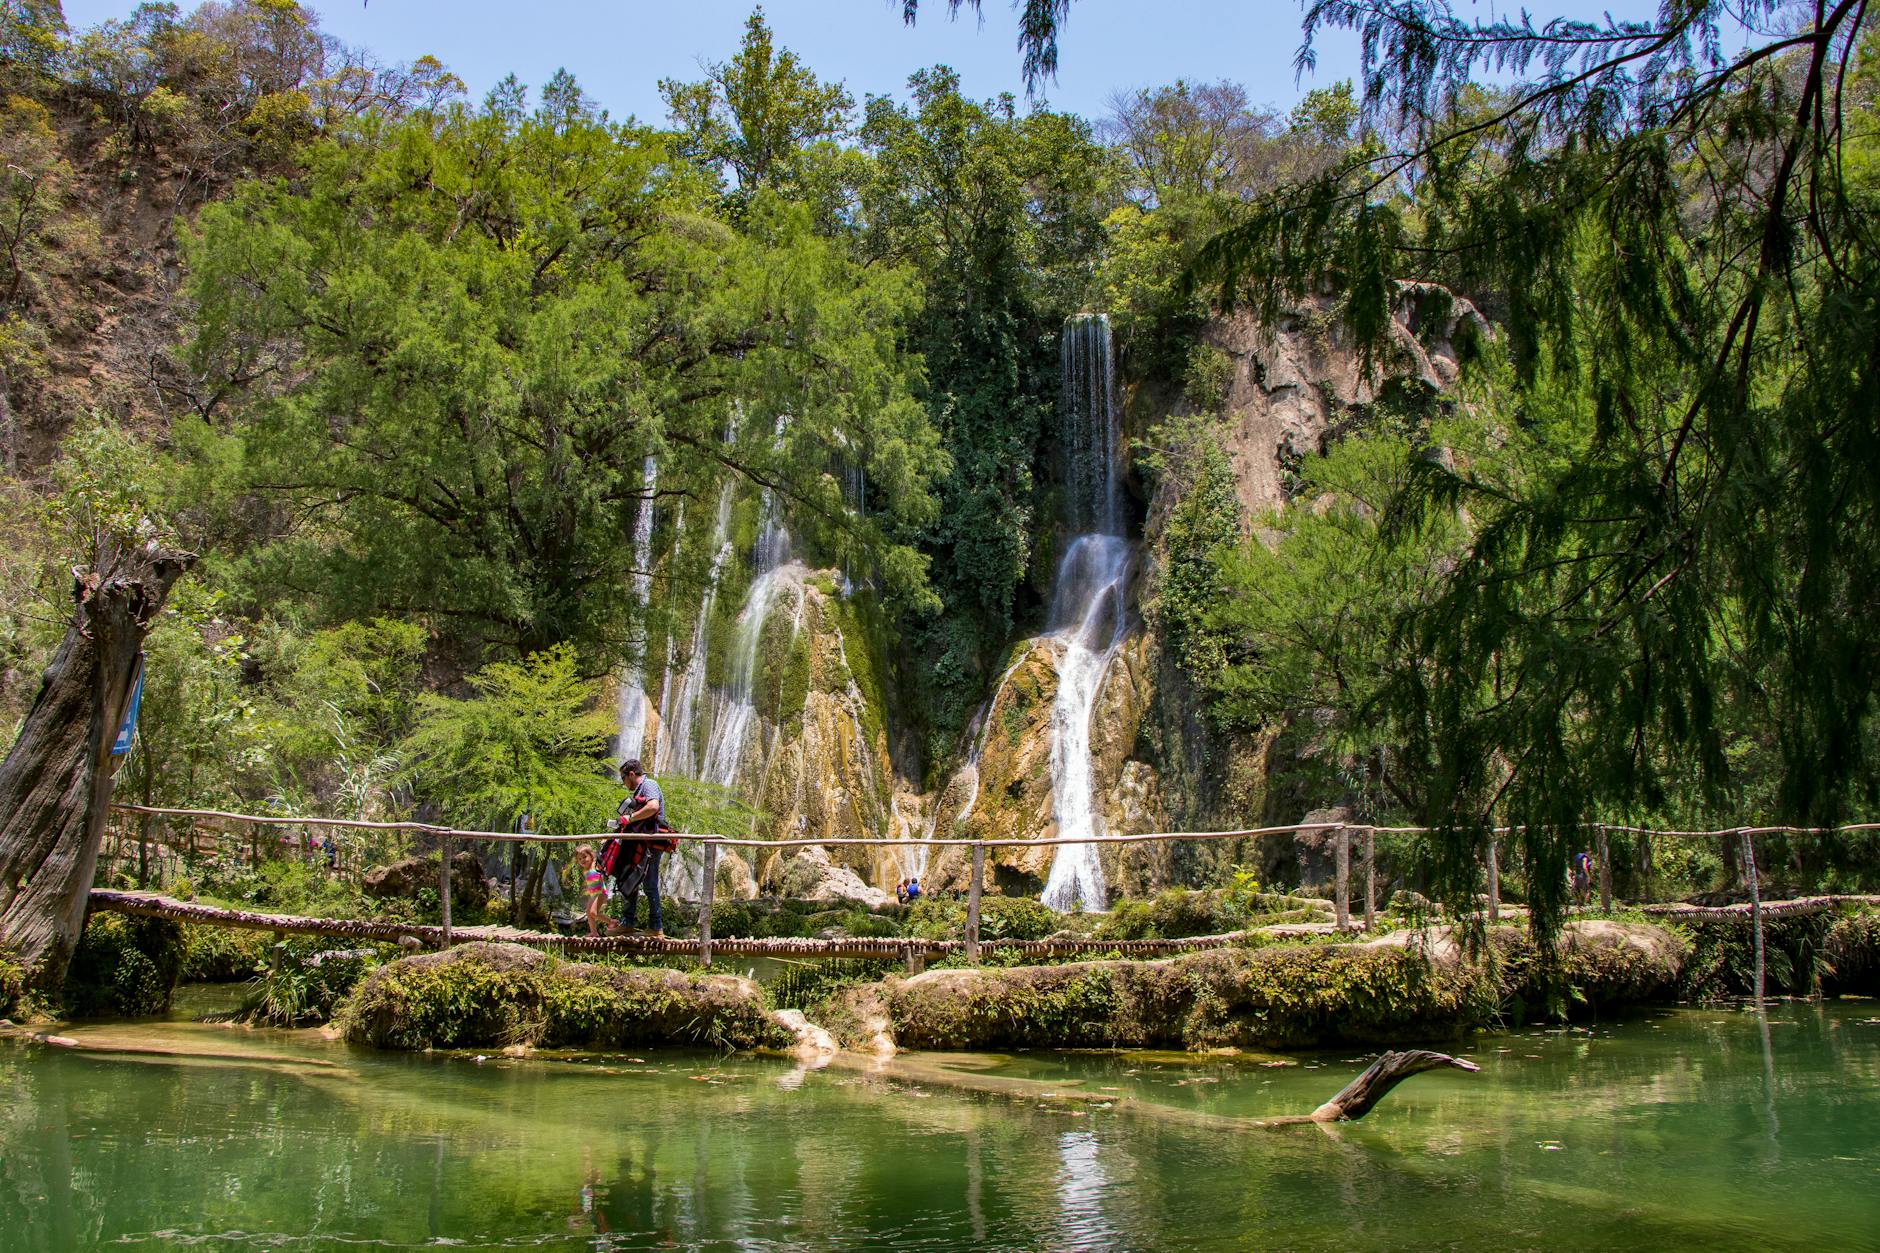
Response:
column 222, row 954
column 12, row 982
column 1000, row 918
column 803, row 985
column 124, row 966
column 1174, row 914
column 300, row 987
column 1851, row 953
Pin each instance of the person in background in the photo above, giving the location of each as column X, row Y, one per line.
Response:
column 639, row 815
column 913, row 890
column 1580, row 877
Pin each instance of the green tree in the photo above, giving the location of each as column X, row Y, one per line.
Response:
column 1001, row 217
column 1690, row 300
column 338, row 704
column 758, row 114
column 530, row 740
column 466, row 330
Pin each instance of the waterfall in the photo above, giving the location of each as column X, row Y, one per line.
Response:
column 680, row 711
column 1088, row 611
column 633, row 702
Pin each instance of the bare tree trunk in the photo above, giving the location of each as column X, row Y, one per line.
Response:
column 55, row 785
column 1358, row 1096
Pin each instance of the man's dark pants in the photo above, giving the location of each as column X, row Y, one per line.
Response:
column 630, row 904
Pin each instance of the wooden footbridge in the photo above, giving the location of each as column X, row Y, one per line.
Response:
column 913, row 951
column 916, row 952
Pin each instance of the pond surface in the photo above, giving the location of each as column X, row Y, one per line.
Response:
column 1693, row 1126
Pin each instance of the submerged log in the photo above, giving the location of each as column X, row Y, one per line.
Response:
column 1358, row 1096
column 55, row 785
column 1353, row 1102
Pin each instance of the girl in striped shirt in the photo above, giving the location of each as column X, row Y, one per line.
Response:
column 593, row 886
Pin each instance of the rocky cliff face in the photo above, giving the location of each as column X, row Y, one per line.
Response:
column 1291, row 389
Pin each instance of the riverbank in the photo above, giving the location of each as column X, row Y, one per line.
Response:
column 1403, row 987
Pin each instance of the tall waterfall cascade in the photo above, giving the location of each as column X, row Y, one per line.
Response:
column 1089, row 615
column 633, row 699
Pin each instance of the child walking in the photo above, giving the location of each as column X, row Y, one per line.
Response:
column 593, row 886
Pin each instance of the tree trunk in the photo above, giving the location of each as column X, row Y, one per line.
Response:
column 1358, row 1096
column 55, row 785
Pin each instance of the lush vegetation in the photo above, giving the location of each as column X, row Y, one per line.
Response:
column 434, row 363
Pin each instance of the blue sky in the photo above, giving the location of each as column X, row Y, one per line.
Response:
column 619, row 49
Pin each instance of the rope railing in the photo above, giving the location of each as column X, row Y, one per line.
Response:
column 971, row 947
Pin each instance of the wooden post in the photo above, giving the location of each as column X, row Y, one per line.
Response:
column 443, row 885
column 1370, row 879
column 708, row 890
column 1494, row 881
column 1341, row 861
column 1605, row 871
column 972, row 904
column 915, row 958
column 1755, row 908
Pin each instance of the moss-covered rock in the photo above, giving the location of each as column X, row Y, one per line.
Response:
column 124, row 966
column 1851, row 956
column 1392, row 990
column 495, row 995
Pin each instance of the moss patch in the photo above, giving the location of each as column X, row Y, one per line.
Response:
column 124, row 967
column 1293, row 996
column 493, row 995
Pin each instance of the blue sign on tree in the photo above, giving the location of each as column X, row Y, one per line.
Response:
column 129, row 727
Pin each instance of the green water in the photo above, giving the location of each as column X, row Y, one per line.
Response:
column 1678, row 1128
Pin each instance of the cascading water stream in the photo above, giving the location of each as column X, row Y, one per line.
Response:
column 1088, row 606
column 676, row 749
column 633, row 701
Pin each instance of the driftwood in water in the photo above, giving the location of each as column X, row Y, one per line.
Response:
column 55, row 785
column 1358, row 1096
column 1355, row 1101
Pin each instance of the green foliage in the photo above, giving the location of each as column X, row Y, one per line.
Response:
column 222, row 954
column 296, row 988
column 528, row 741
column 12, row 982
column 1851, row 955
column 198, row 733
column 1000, row 918
column 489, row 995
column 124, row 967
column 1667, row 507
column 1722, row 961
column 1176, row 913
column 805, row 985
column 759, row 114
column 337, row 704
column 513, row 308
column 1000, row 216
column 1209, row 377
column 283, row 885
column 1192, row 470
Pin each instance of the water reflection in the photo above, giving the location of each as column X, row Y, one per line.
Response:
column 1708, row 1127
column 1081, row 1186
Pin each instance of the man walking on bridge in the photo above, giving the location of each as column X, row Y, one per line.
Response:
column 640, row 815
